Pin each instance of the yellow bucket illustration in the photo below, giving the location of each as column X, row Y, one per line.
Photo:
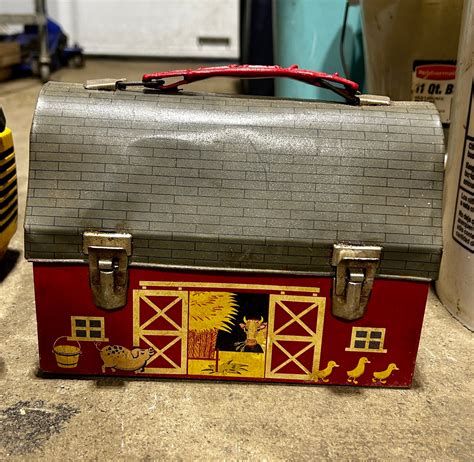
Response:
column 67, row 356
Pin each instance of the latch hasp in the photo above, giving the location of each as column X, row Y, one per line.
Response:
column 355, row 272
column 108, row 267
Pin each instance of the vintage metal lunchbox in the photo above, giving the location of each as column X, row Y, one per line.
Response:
column 212, row 236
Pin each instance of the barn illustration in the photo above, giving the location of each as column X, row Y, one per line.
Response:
column 233, row 328
column 223, row 330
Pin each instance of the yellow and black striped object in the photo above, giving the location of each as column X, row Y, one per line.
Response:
column 8, row 186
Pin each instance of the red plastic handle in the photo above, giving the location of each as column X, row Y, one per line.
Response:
column 344, row 87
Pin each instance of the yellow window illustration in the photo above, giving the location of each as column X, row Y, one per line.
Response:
column 88, row 328
column 368, row 339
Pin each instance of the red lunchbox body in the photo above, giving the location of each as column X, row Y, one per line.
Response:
column 152, row 336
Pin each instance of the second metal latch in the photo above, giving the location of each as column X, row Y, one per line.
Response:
column 355, row 272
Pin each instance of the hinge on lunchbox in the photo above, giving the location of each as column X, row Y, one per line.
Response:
column 108, row 267
column 355, row 272
column 103, row 84
column 373, row 100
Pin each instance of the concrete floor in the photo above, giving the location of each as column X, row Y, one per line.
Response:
column 56, row 419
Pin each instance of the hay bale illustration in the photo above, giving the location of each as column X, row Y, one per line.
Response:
column 208, row 313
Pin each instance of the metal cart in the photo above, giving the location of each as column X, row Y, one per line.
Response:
column 38, row 18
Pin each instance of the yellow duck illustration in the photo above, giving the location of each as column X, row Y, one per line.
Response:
column 324, row 373
column 358, row 371
column 380, row 377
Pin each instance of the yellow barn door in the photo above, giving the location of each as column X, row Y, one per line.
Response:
column 295, row 330
column 160, row 320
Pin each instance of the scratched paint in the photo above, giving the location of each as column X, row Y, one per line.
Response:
column 27, row 425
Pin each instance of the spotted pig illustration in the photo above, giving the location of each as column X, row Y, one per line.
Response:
column 123, row 359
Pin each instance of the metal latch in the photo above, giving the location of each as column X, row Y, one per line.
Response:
column 108, row 267
column 355, row 272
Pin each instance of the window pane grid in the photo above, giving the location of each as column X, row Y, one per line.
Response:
column 369, row 339
column 87, row 328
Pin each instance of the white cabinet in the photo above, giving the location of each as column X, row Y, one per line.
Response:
column 148, row 28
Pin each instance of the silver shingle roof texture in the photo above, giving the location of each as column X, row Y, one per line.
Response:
column 221, row 181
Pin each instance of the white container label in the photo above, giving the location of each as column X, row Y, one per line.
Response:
column 463, row 227
column 434, row 82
